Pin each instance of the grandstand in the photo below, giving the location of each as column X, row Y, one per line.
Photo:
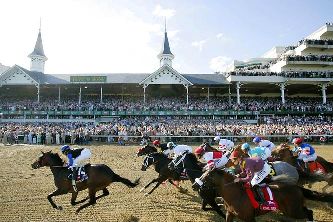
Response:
column 287, row 81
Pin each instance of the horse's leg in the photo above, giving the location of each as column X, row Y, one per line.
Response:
column 229, row 216
column 309, row 213
column 73, row 199
column 159, row 181
column 214, row 206
column 151, row 182
column 180, row 189
column 105, row 193
column 56, row 193
column 92, row 200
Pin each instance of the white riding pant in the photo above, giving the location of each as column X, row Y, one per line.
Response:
column 266, row 154
column 260, row 175
column 219, row 163
column 307, row 158
column 85, row 155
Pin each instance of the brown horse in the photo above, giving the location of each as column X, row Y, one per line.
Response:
column 283, row 152
column 99, row 177
column 290, row 198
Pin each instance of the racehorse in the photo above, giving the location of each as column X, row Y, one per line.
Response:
column 325, row 168
column 145, row 150
column 290, row 198
column 99, row 177
column 160, row 162
column 193, row 169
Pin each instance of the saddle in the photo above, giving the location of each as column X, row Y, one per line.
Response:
column 311, row 167
column 80, row 173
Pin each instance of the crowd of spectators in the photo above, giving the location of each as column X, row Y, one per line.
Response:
column 170, row 104
column 316, row 41
column 132, row 129
column 286, row 74
column 324, row 58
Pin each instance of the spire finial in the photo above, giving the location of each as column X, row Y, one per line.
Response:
column 165, row 27
column 40, row 24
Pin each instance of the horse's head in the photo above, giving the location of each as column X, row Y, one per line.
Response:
column 47, row 159
column 282, row 151
column 148, row 160
column 147, row 149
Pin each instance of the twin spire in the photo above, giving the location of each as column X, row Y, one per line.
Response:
column 165, row 55
column 38, row 57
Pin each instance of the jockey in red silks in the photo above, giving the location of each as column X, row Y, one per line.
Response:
column 254, row 170
column 224, row 144
column 157, row 144
column 214, row 159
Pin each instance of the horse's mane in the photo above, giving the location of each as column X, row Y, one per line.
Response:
column 55, row 157
column 192, row 157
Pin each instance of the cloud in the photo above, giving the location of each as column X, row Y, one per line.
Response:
column 199, row 44
column 220, row 63
column 162, row 12
column 220, row 35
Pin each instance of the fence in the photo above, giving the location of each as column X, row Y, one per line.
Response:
column 135, row 140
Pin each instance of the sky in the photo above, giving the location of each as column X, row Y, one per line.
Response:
column 125, row 36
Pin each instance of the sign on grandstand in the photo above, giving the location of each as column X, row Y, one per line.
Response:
column 88, row 79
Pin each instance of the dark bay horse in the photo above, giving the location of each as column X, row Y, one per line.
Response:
column 194, row 169
column 290, row 198
column 99, row 177
column 284, row 153
column 160, row 162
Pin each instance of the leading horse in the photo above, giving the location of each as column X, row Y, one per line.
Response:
column 99, row 177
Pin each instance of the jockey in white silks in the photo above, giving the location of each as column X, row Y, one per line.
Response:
column 175, row 150
column 263, row 143
column 224, row 144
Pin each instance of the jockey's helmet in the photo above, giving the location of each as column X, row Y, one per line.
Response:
column 297, row 140
column 170, row 145
column 257, row 139
column 199, row 150
column 217, row 138
column 156, row 142
column 246, row 147
column 234, row 155
column 65, row 148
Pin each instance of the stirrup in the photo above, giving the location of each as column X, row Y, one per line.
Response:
column 74, row 185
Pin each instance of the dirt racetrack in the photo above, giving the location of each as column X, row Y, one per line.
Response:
column 23, row 191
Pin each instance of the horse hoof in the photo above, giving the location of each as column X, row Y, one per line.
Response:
column 141, row 189
column 59, row 208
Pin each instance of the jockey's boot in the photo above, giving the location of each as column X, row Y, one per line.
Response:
column 74, row 173
column 257, row 189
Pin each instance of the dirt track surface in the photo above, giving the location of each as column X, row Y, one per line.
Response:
column 23, row 191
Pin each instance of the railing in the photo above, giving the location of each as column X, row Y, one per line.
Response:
column 135, row 140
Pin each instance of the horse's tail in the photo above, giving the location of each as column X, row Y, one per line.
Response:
column 314, row 195
column 127, row 182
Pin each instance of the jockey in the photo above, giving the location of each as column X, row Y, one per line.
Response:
column 263, row 152
column 263, row 143
column 224, row 144
column 175, row 150
column 157, row 144
column 214, row 159
column 305, row 151
column 76, row 159
column 254, row 170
